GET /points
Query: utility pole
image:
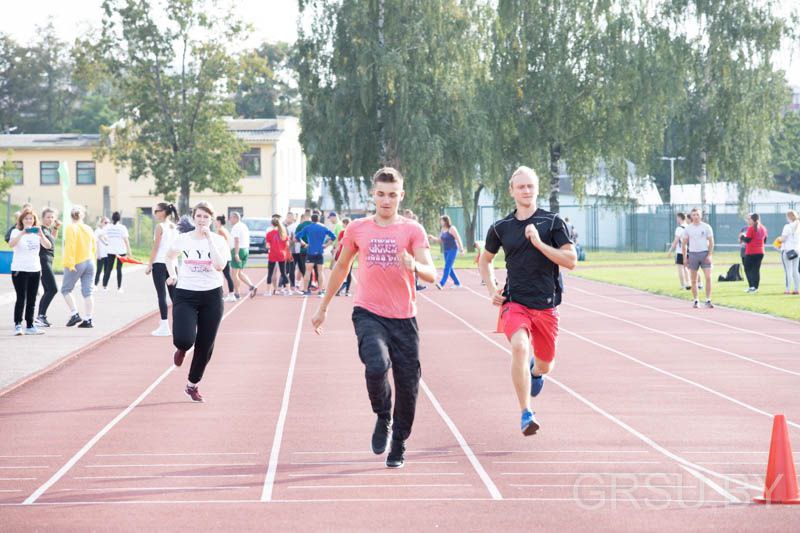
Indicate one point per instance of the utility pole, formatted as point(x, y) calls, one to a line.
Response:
point(672, 171)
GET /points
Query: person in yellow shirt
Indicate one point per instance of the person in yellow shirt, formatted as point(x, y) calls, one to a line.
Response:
point(80, 249)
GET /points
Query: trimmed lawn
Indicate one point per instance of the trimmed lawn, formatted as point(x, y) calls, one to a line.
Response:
point(656, 273)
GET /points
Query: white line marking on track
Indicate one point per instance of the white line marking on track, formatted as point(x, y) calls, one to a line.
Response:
point(566, 451)
point(17, 478)
point(369, 452)
point(641, 436)
point(381, 463)
point(718, 489)
point(684, 339)
point(171, 454)
point(100, 434)
point(621, 474)
point(166, 476)
point(731, 463)
point(25, 467)
point(272, 465)
point(125, 489)
point(171, 465)
point(592, 486)
point(25, 456)
point(387, 486)
point(10, 490)
point(578, 462)
point(476, 464)
point(372, 474)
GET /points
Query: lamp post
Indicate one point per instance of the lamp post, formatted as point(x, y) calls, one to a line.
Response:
point(672, 170)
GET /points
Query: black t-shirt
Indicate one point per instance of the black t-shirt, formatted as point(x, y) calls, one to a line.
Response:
point(44, 253)
point(532, 279)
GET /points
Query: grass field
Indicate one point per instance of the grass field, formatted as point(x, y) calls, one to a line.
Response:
point(656, 273)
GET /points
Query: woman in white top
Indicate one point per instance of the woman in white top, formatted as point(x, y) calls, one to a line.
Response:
point(26, 239)
point(790, 247)
point(118, 244)
point(197, 308)
point(163, 235)
point(102, 248)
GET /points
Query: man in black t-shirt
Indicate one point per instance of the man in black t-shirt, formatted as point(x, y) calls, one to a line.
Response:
point(536, 243)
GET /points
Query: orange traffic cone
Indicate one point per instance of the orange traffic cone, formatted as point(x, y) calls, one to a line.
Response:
point(780, 485)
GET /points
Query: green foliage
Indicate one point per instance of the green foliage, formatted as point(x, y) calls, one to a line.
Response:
point(264, 89)
point(786, 152)
point(6, 181)
point(169, 80)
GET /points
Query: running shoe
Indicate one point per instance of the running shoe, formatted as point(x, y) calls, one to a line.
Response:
point(178, 356)
point(529, 424)
point(41, 322)
point(421, 287)
point(709, 305)
point(253, 291)
point(795, 292)
point(438, 286)
point(380, 435)
point(696, 305)
point(33, 331)
point(18, 330)
point(120, 291)
point(86, 324)
point(395, 458)
point(307, 293)
point(193, 393)
point(74, 319)
point(536, 383)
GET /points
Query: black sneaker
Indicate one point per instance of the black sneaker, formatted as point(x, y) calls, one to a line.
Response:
point(74, 319)
point(380, 435)
point(41, 322)
point(86, 324)
point(395, 458)
point(193, 393)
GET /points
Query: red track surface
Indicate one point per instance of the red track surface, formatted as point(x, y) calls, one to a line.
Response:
point(652, 421)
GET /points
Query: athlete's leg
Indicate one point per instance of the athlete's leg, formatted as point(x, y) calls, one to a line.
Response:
point(404, 354)
point(520, 366)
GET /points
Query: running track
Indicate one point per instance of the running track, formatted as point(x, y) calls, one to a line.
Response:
point(653, 420)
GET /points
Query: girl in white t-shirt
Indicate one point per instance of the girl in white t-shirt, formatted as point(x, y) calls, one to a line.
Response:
point(26, 240)
point(163, 236)
point(118, 244)
point(102, 248)
point(197, 308)
point(790, 247)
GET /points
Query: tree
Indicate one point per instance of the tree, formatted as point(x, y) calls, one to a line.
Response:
point(6, 181)
point(786, 153)
point(170, 81)
point(265, 87)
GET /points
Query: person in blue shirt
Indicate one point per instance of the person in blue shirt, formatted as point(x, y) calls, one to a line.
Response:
point(316, 236)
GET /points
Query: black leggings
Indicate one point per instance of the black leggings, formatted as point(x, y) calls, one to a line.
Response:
point(101, 263)
point(289, 265)
point(300, 261)
point(271, 270)
point(160, 276)
point(227, 273)
point(48, 284)
point(110, 266)
point(26, 285)
point(195, 320)
point(752, 269)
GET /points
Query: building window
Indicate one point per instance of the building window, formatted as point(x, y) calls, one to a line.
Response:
point(86, 173)
point(15, 172)
point(250, 162)
point(48, 172)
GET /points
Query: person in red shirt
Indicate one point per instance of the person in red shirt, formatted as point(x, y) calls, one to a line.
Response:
point(754, 239)
point(391, 249)
point(346, 285)
point(278, 242)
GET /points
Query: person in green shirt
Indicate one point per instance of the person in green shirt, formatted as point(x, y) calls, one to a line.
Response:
point(336, 227)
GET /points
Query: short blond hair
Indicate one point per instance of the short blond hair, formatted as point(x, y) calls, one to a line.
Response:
point(523, 170)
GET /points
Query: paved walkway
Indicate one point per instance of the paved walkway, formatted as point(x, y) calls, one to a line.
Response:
point(23, 356)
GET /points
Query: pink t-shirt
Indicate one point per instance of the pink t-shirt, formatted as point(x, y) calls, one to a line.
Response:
point(384, 286)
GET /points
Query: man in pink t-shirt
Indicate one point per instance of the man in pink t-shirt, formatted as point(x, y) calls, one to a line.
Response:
point(391, 250)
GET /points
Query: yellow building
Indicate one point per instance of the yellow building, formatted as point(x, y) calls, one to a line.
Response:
point(275, 180)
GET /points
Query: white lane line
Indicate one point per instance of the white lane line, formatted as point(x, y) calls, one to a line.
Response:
point(25, 456)
point(731, 463)
point(126, 489)
point(166, 476)
point(711, 484)
point(10, 490)
point(387, 486)
point(272, 465)
point(476, 464)
point(171, 454)
point(684, 339)
point(381, 463)
point(22, 467)
point(17, 478)
point(593, 486)
point(683, 315)
point(566, 451)
point(620, 474)
point(366, 452)
point(639, 435)
point(380, 474)
point(676, 376)
point(732, 453)
point(100, 434)
point(577, 462)
point(171, 465)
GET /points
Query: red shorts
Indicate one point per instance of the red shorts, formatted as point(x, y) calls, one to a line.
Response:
point(542, 326)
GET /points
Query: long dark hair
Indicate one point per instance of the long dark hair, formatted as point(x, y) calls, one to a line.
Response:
point(115, 217)
point(755, 218)
point(169, 209)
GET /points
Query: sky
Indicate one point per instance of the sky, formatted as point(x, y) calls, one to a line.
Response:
point(273, 20)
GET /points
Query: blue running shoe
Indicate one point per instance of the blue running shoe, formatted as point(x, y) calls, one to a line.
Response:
point(529, 423)
point(536, 383)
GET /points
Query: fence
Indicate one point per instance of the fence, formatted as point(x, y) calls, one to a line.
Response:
point(640, 228)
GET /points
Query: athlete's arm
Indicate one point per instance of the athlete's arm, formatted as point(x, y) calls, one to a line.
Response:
point(340, 270)
point(565, 256)
point(454, 233)
point(423, 265)
point(154, 249)
point(710, 246)
point(674, 245)
point(486, 267)
point(172, 256)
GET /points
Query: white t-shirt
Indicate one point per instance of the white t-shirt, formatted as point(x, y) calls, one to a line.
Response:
point(197, 272)
point(789, 237)
point(240, 230)
point(26, 252)
point(168, 232)
point(116, 234)
point(292, 230)
point(697, 235)
point(102, 248)
point(679, 235)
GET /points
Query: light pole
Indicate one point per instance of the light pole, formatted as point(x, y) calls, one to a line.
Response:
point(672, 170)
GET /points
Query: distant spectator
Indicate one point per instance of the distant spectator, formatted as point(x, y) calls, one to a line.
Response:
point(754, 239)
point(451, 244)
point(50, 225)
point(790, 242)
point(25, 239)
point(683, 272)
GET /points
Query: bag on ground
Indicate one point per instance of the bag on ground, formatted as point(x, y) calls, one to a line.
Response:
point(733, 274)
